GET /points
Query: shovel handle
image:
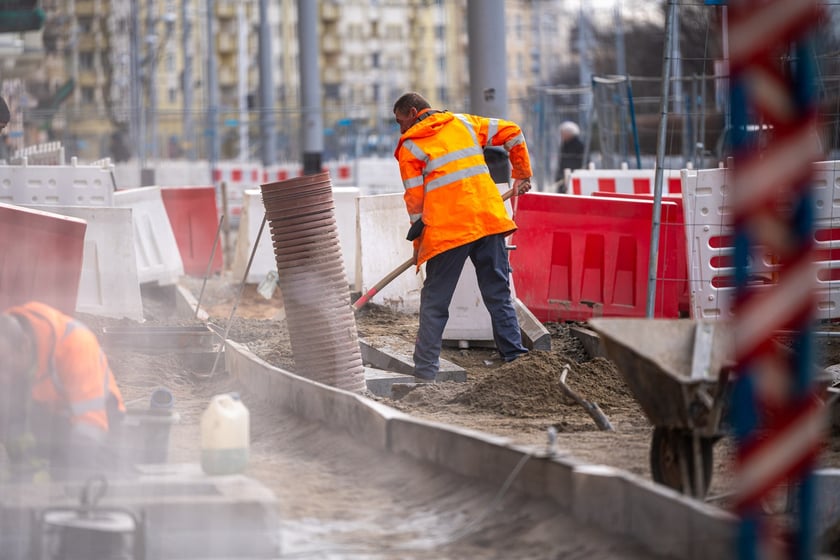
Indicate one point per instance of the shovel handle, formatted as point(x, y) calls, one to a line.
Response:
point(359, 303)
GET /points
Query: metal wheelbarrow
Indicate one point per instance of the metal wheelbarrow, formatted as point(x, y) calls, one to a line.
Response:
point(678, 372)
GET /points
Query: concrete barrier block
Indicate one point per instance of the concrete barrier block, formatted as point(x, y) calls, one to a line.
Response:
point(158, 258)
point(109, 285)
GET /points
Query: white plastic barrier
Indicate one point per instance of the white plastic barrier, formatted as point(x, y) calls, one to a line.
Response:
point(158, 258)
point(625, 181)
point(264, 260)
point(237, 177)
point(710, 249)
point(64, 185)
point(249, 226)
point(108, 286)
point(182, 173)
point(383, 224)
point(341, 172)
point(377, 176)
point(48, 153)
point(345, 218)
point(281, 172)
point(127, 174)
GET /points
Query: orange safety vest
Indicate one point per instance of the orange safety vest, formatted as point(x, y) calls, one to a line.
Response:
point(447, 181)
point(72, 377)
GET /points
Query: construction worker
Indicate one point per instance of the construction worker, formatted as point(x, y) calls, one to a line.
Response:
point(59, 402)
point(456, 213)
point(570, 155)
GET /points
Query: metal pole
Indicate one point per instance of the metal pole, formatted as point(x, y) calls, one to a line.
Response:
point(238, 295)
point(209, 265)
point(267, 140)
point(242, 80)
point(620, 51)
point(212, 87)
point(660, 161)
point(187, 81)
point(488, 69)
point(135, 86)
point(151, 80)
point(312, 126)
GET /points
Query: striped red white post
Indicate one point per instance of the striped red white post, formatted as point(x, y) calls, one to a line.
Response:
point(779, 422)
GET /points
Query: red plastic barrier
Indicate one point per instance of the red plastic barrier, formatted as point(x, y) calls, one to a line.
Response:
point(195, 220)
point(41, 257)
point(681, 249)
point(581, 257)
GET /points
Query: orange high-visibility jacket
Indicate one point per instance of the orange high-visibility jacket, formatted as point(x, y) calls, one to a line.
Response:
point(447, 181)
point(72, 376)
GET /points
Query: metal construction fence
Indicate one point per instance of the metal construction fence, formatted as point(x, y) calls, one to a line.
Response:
point(618, 115)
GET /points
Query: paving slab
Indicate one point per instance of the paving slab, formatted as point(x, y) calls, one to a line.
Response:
point(591, 341)
point(381, 383)
point(392, 353)
point(534, 334)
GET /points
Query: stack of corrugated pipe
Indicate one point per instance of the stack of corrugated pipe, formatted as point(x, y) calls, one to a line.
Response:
point(312, 279)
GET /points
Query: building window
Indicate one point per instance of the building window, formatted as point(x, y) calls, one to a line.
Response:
point(375, 59)
point(173, 95)
point(332, 91)
point(88, 94)
point(443, 94)
point(86, 60)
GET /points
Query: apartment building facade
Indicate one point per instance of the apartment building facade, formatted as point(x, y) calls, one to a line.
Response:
point(138, 69)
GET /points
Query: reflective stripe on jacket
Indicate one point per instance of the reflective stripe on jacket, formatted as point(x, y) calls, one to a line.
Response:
point(447, 182)
point(72, 376)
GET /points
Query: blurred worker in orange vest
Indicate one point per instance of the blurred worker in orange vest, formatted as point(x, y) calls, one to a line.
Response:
point(456, 213)
point(59, 402)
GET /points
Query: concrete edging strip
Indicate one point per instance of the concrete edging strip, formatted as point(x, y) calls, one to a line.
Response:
point(617, 501)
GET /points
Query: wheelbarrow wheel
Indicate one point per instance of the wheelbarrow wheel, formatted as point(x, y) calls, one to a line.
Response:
point(670, 451)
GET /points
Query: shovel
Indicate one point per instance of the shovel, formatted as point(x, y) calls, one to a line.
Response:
point(359, 303)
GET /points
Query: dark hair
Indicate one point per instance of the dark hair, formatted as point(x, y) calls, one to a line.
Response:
point(409, 100)
point(5, 115)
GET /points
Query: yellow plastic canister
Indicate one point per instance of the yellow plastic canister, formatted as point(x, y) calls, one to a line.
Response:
point(225, 435)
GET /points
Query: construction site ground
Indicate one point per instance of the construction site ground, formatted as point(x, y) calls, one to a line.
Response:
point(339, 499)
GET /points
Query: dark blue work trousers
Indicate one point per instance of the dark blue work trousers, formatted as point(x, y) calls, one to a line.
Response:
point(492, 270)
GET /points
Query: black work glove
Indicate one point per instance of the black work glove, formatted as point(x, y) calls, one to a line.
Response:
point(415, 230)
